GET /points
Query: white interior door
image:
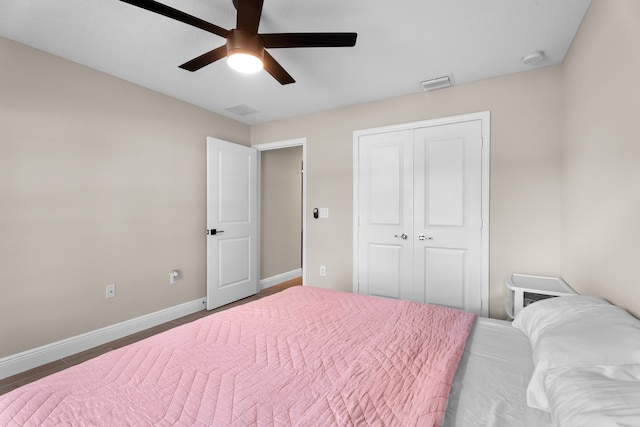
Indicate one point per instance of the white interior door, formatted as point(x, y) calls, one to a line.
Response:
point(420, 211)
point(448, 215)
point(232, 222)
point(386, 216)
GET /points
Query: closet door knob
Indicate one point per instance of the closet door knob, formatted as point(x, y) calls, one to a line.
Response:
point(423, 237)
point(402, 236)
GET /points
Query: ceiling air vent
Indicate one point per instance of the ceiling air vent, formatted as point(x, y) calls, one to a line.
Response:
point(242, 110)
point(437, 83)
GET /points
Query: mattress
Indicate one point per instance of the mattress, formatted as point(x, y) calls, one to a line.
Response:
point(305, 356)
point(489, 388)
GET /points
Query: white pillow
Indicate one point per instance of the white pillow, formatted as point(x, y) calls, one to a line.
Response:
point(597, 396)
point(534, 319)
point(576, 331)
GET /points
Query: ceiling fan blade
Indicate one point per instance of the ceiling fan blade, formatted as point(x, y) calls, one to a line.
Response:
point(284, 40)
point(178, 15)
point(203, 60)
point(249, 12)
point(272, 67)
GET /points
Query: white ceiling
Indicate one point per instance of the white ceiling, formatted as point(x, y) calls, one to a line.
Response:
point(400, 43)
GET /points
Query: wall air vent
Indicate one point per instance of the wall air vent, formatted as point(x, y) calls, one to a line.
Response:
point(437, 83)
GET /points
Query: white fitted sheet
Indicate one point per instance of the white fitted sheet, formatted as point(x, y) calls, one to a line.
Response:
point(489, 388)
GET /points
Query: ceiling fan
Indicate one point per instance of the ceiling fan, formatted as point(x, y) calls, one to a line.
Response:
point(245, 47)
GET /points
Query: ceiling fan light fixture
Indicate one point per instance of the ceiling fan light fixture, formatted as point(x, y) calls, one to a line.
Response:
point(245, 51)
point(245, 47)
point(245, 63)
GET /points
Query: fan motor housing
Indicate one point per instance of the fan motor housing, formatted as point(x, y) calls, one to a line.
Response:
point(239, 41)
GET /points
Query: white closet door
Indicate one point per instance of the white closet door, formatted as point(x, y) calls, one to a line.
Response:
point(386, 215)
point(420, 215)
point(448, 215)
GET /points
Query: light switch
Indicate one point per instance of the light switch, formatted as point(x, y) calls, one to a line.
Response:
point(324, 212)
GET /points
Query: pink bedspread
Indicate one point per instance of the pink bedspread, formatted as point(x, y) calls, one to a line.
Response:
point(305, 356)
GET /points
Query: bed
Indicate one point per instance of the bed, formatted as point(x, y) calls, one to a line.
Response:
point(571, 361)
point(317, 357)
point(490, 385)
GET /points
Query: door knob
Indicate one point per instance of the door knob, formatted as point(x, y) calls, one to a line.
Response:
point(402, 236)
point(423, 237)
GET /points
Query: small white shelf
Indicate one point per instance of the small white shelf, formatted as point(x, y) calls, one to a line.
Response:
point(525, 289)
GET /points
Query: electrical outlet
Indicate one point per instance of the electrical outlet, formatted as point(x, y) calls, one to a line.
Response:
point(174, 276)
point(323, 270)
point(110, 291)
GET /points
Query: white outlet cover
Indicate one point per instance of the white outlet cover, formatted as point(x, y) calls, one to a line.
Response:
point(110, 291)
point(173, 277)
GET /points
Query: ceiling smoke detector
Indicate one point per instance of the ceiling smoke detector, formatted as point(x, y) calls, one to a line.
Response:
point(437, 83)
point(533, 58)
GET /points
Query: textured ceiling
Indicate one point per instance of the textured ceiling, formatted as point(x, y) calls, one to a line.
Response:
point(400, 43)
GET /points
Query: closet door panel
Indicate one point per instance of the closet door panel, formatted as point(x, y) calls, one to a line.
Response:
point(386, 214)
point(448, 215)
point(444, 175)
point(385, 270)
point(444, 267)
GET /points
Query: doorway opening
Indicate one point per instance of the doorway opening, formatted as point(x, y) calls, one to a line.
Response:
point(282, 204)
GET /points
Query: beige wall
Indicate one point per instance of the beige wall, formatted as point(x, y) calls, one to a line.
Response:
point(526, 129)
point(601, 155)
point(101, 181)
point(280, 211)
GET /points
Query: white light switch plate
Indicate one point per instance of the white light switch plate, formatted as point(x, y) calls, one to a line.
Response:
point(324, 212)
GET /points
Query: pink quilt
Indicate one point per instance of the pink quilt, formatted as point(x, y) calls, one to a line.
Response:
point(305, 357)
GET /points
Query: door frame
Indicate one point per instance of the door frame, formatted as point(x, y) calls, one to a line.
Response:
point(485, 119)
point(297, 142)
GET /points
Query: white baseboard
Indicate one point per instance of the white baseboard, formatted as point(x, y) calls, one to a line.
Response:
point(279, 278)
point(29, 359)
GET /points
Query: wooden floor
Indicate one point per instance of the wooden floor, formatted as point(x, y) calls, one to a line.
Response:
point(26, 377)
